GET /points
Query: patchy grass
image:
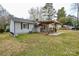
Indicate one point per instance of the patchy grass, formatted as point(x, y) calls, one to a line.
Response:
point(10, 46)
point(36, 44)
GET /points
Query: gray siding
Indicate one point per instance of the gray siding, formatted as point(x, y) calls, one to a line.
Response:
point(18, 29)
point(15, 27)
point(12, 26)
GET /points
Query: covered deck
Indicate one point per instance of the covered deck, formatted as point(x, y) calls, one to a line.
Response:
point(48, 26)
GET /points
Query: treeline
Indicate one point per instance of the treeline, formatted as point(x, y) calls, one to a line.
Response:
point(69, 20)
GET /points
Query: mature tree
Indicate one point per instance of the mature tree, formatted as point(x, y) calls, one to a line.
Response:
point(4, 18)
point(48, 12)
point(5, 22)
point(62, 20)
point(45, 13)
point(69, 20)
point(61, 13)
point(75, 7)
point(61, 16)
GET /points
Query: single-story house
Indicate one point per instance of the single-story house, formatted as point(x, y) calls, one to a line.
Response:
point(19, 26)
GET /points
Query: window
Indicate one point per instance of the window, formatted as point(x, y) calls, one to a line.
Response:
point(24, 25)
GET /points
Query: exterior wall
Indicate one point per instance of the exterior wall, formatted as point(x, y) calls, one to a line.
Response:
point(12, 26)
point(38, 29)
point(31, 26)
point(18, 29)
point(51, 26)
point(15, 28)
point(59, 26)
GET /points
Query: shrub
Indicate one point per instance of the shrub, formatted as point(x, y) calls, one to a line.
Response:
point(30, 31)
point(7, 30)
point(1, 30)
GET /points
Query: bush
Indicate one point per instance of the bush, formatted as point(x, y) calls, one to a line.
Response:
point(1, 30)
point(7, 30)
point(30, 32)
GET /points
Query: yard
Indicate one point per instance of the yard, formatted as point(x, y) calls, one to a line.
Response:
point(37, 44)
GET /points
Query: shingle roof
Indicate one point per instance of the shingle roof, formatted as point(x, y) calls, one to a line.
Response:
point(49, 21)
point(23, 20)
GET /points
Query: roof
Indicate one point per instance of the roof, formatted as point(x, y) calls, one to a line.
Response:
point(49, 21)
point(34, 21)
point(23, 20)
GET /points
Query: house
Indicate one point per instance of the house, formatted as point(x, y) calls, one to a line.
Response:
point(19, 25)
point(68, 27)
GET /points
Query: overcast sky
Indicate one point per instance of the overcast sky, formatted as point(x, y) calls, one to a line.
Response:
point(19, 8)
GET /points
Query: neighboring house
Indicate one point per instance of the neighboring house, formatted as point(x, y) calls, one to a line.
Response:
point(68, 27)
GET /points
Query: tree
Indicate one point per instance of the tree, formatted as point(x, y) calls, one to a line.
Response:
point(78, 23)
point(75, 7)
point(61, 13)
point(2, 22)
point(69, 20)
point(61, 16)
point(35, 14)
point(48, 12)
point(32, 13)
point(45, 13)
point(5, 22)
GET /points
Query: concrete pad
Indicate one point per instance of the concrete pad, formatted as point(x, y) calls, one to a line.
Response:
point(57, 33)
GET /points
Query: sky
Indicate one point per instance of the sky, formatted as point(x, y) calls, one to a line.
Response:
point(20, 8)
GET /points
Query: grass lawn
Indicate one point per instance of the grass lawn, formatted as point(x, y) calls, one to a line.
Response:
point(37, 44)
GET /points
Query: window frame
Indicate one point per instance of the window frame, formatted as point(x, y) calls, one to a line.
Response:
point(24, 25)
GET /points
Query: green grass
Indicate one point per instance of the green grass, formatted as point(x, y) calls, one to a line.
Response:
point(37, 44)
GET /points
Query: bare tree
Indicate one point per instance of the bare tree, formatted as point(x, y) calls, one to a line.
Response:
point(32, 13)
point(35, 14)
